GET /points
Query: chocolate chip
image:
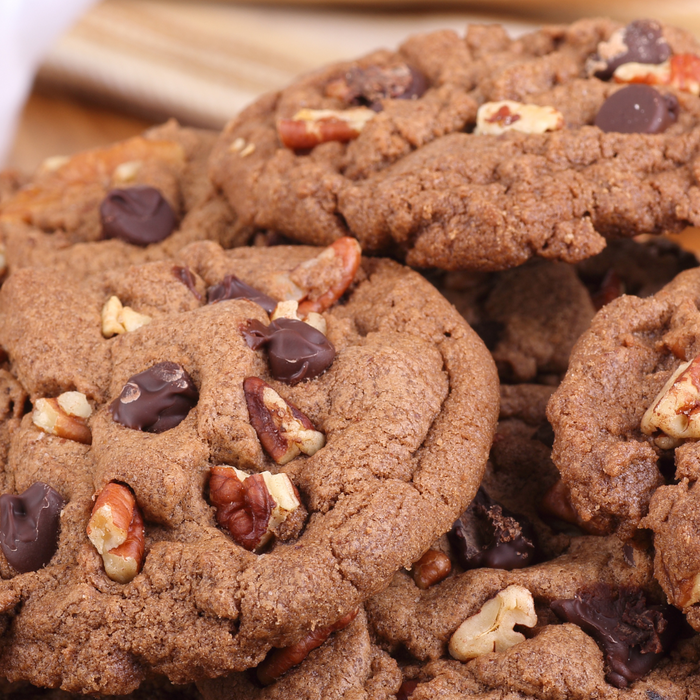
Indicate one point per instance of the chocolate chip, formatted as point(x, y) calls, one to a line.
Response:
point(233, 288)
point(652, 695)
point(645, 44)
point(186, 276)
point(368, 86)
point(156, 400)
point(295, 350)
point(406, 690)
point(637, 109)
point(138, 215)
point(634, 636)
point(29, 526)
point(628, 554)
point(487, 534)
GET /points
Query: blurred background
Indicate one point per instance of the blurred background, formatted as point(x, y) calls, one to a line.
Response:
point(104, 71)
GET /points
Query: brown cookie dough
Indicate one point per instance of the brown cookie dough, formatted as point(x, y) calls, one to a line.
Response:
point(54, 219)
point(347, 665)
point(385, 149)
point(407, 411)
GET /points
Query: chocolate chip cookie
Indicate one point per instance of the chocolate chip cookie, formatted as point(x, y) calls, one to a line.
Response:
point(478, 151)
point(247, 444)
point(135, 201)
point(583, 617)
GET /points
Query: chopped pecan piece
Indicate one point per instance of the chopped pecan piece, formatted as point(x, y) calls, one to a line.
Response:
point(64, 416)
point(251, 506)
point(310, 127)
point(681, 71)
point(118, 319)
point(499, 117)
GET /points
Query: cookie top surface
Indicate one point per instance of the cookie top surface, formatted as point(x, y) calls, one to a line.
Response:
point(406, 410)
point(624, 424)
point(565, 658)
point(475, 151)
point(132, 202)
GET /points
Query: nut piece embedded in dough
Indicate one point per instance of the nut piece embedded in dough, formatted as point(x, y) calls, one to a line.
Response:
point(116, 530)
point(118, 319)
point(283, 430)
point(290, 309)
point(431, 568)
point(310, 127)
point(499, 117)
point(64, 416)
point(676, 409)
point(251, 506)
point(681, 71)
point(491, 629)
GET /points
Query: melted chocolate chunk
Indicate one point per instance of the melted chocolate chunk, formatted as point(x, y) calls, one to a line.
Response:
point(155, 400)
point(488, 535)
point(369, 86)
point(29, 526)
point(634, 636)
point(637, 109)
point(406, 690)
point(138, 215)
point(295, 350)
point(186, 276)
point(233, 288)
point(645, 44)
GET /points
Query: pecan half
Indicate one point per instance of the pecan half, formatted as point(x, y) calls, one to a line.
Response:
point(431, 568)
point(65, 416)
point(310, 127)
point(284, 431)
point(251, 507)
point(279, 661)
point(116, 530)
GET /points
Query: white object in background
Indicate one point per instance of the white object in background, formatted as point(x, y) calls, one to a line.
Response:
point(28, 28)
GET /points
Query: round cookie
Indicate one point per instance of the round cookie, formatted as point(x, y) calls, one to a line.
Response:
point(623, 419)
point(475, 151)
point(406, 410)
point(610, 583)
point(54, 219)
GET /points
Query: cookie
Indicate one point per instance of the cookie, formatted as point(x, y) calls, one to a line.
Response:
point(232, 479)
point(455, 637)
point(477, 151)
point(624, 424)
point(132, 202)
point(348, 664)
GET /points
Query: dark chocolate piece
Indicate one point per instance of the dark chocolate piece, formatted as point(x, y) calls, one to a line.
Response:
point(186, 276)
point(295, 349)
point(233, 288)
point(634, 636)
point(406, 690)
point(29, 526)
point(645, 44)
point(138, 215)
point(637, 109)
point(369, 86)
point(487, 534)
point(156, 400)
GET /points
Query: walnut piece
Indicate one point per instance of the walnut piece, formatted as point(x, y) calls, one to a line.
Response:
point(676, 409)
point(64, 416)
point(499, 117)
point(681, 71)
point(491, 629)
point(118, 319)
point(310, 127)
point(283, 430)
point(290, 309)
point(116, 530)
point(251, 506)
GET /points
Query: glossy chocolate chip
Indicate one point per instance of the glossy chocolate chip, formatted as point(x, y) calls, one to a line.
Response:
point(29, 526)
point(186, 276)
point(138, 215)
point(156, 400)
point(645, 44)
point(233, 288)
point(295, 350)
point(487, 534)
point(637, 109)
point(634, 636)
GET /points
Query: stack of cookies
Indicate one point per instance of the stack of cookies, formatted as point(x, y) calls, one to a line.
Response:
point(248, 452)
